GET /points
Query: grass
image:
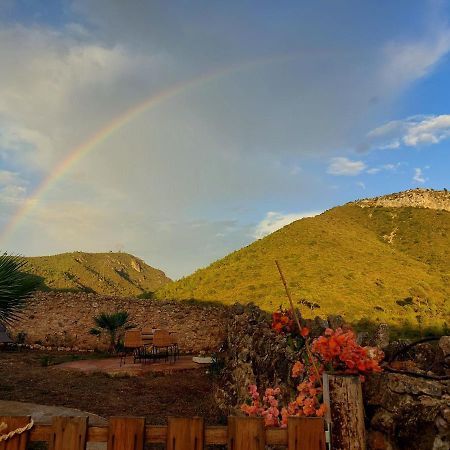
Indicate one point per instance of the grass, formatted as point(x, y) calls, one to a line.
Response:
point(343, 262)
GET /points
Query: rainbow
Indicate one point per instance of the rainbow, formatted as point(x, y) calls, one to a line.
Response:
point(77, 153)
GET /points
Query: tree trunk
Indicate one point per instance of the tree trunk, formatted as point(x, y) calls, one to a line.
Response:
point(347, 412)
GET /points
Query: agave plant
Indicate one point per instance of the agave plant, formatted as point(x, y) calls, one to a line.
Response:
point(16, 287)
point(114, 324)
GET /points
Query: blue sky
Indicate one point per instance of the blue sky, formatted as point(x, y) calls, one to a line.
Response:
point(327, 102)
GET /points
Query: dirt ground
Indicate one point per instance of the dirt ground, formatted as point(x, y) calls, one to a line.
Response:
point(30, 376)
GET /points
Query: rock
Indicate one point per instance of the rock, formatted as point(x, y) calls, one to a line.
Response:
point(409, 412)
point(336, 322)
point(378, 441)
point(383, 421)
point(363, 338)
point(444, 345)
point(380, 337)
point(424, 355)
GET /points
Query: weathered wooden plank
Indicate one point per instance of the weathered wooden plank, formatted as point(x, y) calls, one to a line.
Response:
point(18, 442)
point(185, 433)
point(216, 435)
point(126, 433)
point(306, 433)
point(157, 434)
point(326, 397)
point(276, 436)
point(68, 433)
point(347, 413)
point(40, 433)
point(246, 433)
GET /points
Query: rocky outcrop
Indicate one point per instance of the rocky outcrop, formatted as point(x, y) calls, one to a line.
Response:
point(406, 412)
point(65, 319)
point(416, 198)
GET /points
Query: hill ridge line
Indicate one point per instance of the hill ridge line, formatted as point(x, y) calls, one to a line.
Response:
point(415, 198)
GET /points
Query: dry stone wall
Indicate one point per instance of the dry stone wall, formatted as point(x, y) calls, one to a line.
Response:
point(63, 320)
point(403, 412)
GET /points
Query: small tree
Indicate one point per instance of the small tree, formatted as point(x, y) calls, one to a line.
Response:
point(16, 286)
point(114, 324)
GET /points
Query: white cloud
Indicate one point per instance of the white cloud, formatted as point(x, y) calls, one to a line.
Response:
point(408, 61)
point(276, 220)
point(419, 176)
point(55, 89)
point(344, 166)
point(12, 195)
point(430, 130)
point(384, 167)
point(413, 131)
point(8, 177)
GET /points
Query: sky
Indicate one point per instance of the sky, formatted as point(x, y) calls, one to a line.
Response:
point(181, 131)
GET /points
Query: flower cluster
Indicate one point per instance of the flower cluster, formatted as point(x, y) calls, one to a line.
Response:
point(309, 391)
point(335, 351)
point(283, 322)
point(268, 408)
point(339, 350)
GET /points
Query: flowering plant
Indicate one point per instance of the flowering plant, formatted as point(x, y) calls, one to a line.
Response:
point(336, 350)
point(283, 323)
point(339, 351)
point(268, 407)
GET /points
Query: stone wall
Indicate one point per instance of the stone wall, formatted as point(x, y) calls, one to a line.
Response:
point(253, 355)
point(406, 412)
point(65, 319)
point(403, 412)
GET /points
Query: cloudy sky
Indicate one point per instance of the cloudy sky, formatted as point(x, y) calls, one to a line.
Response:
point(258, 113)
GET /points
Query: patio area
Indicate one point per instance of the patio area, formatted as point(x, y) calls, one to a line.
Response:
point(112, 366)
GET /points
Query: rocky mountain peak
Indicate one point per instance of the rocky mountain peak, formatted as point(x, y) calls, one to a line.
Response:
point(416, 198)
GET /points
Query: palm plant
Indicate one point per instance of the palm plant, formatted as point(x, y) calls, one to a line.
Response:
point(114, 324)
point(16, 287)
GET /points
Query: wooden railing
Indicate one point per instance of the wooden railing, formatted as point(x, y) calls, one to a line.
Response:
point(131, 433)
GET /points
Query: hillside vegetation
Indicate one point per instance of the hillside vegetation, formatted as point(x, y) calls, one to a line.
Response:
point(362, 260)
point(118, 274)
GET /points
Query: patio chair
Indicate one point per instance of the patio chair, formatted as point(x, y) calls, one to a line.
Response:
point(174, 337)
point(147, 335)
point(132, 345)
point(163, 345)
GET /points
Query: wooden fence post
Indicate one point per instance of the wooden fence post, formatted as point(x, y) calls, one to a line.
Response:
point(347, 413)
point(126, 433)
point(18, 442)
point(306, 433)
point(185, 433)
point(246, 433)
point(68, 433)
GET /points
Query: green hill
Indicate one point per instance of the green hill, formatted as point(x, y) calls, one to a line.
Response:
point(361, 260)
point(118, 274)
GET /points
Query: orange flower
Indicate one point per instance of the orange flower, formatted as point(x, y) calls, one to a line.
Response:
point(304, 331)
point(297, 369)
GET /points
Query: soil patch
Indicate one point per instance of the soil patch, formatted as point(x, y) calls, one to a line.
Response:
point(24, 377)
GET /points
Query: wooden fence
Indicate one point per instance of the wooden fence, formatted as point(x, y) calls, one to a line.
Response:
point(131, 433)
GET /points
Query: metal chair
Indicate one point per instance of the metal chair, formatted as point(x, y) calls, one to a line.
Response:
point(174, 338)
point(163, 345)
